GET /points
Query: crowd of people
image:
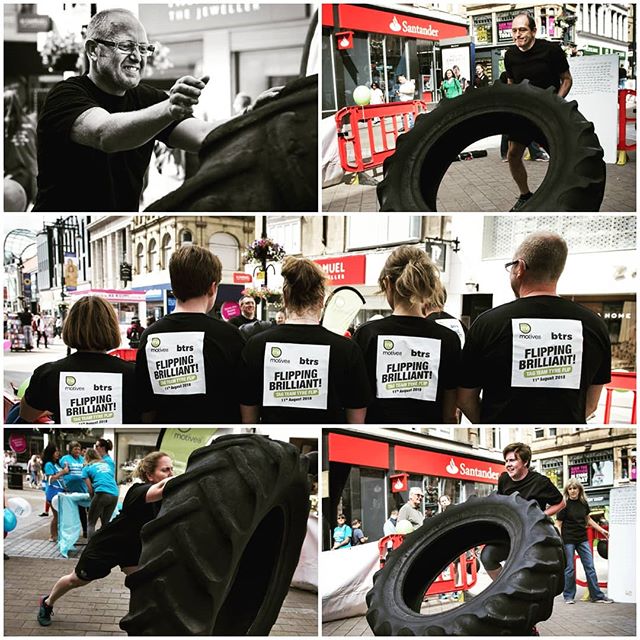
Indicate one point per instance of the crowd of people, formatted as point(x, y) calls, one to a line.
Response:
point(540, 358)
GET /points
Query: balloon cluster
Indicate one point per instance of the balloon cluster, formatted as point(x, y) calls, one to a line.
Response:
point(16, 508)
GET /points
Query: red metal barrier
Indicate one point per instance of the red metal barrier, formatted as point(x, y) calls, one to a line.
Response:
point(623, 119)
point(621, 381)
point(368, 148)
point(124, 354)
point(446, 582)
point(592, 536)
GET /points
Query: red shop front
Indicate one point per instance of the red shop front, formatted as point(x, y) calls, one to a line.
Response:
point(369, 474)
point(362, 44)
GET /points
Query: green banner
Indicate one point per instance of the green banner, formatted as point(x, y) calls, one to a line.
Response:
point(178, 444)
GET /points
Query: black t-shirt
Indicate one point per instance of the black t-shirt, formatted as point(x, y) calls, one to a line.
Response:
point(238, 321)
point(96, 389)
point(522, 363)
point(445, 319)
point(574, 521)
point(534, 486)
point(408, 378)
point(75, 177)
point(308, 375)
point(541, 65)
point(118, 542)
point(184, 369)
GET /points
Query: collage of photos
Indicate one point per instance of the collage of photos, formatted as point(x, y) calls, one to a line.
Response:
point(325, 316)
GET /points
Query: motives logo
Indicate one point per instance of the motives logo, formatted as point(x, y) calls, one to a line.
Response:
point(525, 328)
point(387, 348)
point(276, 356)
point(525, 332)
point(155, 346)
point(155, 342)
point(69, 381)
point(276, 352)
point(388, 344)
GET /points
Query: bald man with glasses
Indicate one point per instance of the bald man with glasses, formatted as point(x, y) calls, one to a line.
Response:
point(540, 358)
point(96, 132)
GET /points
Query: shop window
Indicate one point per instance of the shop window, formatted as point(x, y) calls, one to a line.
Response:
point(355, 65)
point(426, 81)
point(226, 247)
point(186, 237)
point(328, 81)
point(539, 433)
point(396, 56)
point(152, 253)
point(372, 502)
point(287, 231)
point(166, 250)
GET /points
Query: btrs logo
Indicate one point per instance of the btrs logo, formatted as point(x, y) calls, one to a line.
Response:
point(451, 467)
point(276, 352)
point(394, 25)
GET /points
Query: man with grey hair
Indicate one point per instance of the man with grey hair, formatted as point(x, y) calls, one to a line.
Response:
point(411, 510)
point(540, 358)
point(96, 132)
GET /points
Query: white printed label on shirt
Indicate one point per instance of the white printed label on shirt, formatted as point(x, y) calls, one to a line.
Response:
point(546, 353)
point(176, 363)
point(455, 326)
point(90, 398)
point(407, 367)
point(296, 375)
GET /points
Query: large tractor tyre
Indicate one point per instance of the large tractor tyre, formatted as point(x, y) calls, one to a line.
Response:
point(265, 160)
point(219, 557)
point(575, 177)
point(523, 593)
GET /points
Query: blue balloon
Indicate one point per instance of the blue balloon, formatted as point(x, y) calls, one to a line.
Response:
point(10, 520)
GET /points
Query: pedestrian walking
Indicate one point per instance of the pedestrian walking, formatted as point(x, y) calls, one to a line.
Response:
point(300, 372)
point(26, 318)
point(42, 331)
point(412, 364)
point(90, 386)
point(54, 474)
point(342, 534)
point(118, 542)
point(572, 522)
point(102, 488)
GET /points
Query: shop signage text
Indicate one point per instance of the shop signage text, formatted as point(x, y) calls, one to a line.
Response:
point(344, 270)
point(241, 278)
point(372, 20)
point(447, 465)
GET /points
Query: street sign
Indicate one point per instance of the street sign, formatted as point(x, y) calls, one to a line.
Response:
point(33, 23)
point(125, 272)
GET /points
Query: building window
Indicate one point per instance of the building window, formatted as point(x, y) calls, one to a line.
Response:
point(382, 230)
point(152, 254)
point(226, 247)
point(186, 237)
point(287, 231)
point(539, 433)
point(165, 255)
point(140, 258)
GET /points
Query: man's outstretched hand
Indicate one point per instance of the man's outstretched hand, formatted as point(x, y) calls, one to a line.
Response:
point(184, 95)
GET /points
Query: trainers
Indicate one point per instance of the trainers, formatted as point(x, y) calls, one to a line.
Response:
point(542, 159)
point(43, 515)
point(571, 601)
point(44, 613)
point(604, 600)
point(521, 201)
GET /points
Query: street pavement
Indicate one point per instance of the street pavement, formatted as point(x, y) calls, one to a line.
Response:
point(35, 564)
point(483, 185)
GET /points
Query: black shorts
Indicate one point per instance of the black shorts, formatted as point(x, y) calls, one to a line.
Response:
point(525, 135)
point(89, 568)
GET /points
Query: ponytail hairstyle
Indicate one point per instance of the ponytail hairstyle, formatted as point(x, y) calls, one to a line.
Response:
point(304, 284)
point(148, 465)
point(107, 445)
point(574, 482)
point(412, 276)
point(91, 456)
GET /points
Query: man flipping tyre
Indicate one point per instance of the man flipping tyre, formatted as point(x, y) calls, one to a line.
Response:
point(543, 64)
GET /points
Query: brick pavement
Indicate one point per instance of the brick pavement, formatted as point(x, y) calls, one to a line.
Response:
point(581, 619)
point(485, 184)
point(35, 564)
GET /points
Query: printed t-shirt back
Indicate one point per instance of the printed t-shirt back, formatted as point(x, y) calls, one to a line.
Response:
point(90, 398)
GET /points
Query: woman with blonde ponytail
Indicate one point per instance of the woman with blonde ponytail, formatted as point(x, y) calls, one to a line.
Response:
point(412, 363)
point(300, 372)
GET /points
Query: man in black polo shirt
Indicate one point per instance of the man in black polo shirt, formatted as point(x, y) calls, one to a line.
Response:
point(543, 64)
point(531, 485)
point(96, 132)
point(540, 358)
point(186, 361)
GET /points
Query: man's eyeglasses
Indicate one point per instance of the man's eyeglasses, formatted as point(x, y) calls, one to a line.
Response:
point(508, 265)
point(128, 46)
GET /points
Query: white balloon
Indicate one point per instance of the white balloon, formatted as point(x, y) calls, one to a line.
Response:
point(20, 507)
point(54, 502)
point(404, 526)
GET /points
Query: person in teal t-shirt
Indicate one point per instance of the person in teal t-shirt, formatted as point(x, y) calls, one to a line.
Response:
point(75, 484)
point(342, 534)
point(103, 446)
point(102, 489)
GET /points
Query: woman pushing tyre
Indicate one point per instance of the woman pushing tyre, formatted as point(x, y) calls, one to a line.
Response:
point(219, 558)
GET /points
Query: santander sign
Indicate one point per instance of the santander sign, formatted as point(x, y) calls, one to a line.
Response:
point(413, 29)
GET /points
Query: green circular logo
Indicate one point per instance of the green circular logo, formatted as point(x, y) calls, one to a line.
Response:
point(155, 342)
point(388, 345)
point(70, 381)
point(276, 352)
point(525, 328)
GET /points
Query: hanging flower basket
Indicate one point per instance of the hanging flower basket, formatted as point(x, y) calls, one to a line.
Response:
point(61, 53)
point(264, 250)
point(263, 294)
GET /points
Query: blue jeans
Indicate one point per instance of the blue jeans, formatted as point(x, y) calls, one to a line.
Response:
point(584, 552)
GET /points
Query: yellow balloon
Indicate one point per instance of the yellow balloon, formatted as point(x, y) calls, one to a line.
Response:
point(362, 95)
